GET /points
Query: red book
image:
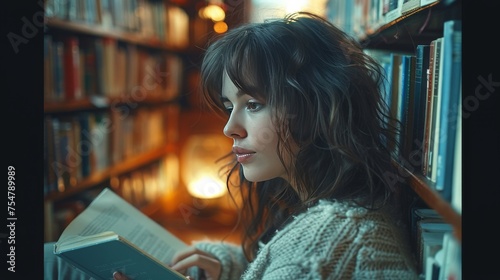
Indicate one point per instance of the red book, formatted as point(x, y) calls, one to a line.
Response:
point(72, 88)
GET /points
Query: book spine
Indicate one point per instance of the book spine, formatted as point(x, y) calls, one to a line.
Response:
point(59, 75)
point(50, 172)
point(395, 80)
point(109, 64)
point(451, 89)
point(409, 70)
point(429, 72)
point(420, 100)
point(85, 144)
point(436, 124)
point(72, 68)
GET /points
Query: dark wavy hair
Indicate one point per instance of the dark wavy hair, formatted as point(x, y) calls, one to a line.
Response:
point(326, 97)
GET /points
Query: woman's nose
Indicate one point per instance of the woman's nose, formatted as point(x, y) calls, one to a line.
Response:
point(234, 128)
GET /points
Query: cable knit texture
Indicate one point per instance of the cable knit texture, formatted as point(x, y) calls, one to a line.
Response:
point(331, 240)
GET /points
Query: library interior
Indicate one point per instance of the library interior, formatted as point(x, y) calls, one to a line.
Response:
point(123, 111)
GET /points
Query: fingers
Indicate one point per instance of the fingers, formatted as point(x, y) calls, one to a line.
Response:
point(188, 252)
point(194, 257)
point(119, 276)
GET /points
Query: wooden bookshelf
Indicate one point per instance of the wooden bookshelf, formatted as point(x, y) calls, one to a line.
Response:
point(416, 27)
point(391, 31)
point(97, 102)
point(423, 187)
point(125, 166)
point(109, 32)
point(85, 82)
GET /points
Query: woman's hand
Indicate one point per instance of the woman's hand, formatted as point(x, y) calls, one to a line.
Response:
point(120, 276)
point(210, 267)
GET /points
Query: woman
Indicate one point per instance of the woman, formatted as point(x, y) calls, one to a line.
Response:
point(312, 152)
point(310, 137)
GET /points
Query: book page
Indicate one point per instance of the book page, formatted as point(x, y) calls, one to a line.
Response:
point(109, 212)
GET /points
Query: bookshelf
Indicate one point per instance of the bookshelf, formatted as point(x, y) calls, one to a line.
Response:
point(113, 83)
point(392, 31)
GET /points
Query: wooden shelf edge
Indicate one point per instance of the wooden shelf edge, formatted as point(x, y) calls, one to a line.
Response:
point(421, 186)
point(88, 103)
point(123, 167)
point(110, 32)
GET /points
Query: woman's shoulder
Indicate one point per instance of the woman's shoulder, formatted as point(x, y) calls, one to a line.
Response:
point(335, 208)
point(332, 230)
point(332, 219)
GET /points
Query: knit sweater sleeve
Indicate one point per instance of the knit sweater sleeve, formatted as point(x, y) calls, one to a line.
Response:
point(231, 256)
point(333, 241)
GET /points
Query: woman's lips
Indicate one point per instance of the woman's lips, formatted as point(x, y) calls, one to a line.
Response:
point(242, 155)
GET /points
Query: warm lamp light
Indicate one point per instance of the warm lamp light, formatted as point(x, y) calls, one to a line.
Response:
point(212, 12)
point(220, 27)
point(207, 187)
point(200, 170)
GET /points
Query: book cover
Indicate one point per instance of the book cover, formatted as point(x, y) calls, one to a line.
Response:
point(409, 6)
point(428, 109)
point(89, 80)
point(408, 104)
point(64, 170)
point(451, 266)
point(395, 79)
point(111, 234)
point(86, 146)
point(450, 98)
point(72, 77)
point(102, 254)
point(100, 76)
point(417, 214)
point(58, 68)
point(436, 111)
point(391, 10)
point(429, 239)
point(432, 242)
point(456, 187)
point(109, 46)
point(433, 114)
point(50, 184)
point(420, 99)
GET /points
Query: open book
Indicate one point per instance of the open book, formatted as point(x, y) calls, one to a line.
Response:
point(112, 235)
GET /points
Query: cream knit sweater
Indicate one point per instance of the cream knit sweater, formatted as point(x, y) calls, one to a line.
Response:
point(331, 240)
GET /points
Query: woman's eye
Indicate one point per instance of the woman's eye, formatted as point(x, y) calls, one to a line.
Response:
point(254, 106)
point(228, 107)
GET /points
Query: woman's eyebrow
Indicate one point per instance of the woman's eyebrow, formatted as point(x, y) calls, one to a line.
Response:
point(239, 94)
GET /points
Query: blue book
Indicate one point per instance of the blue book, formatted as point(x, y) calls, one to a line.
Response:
point(407, 103)
point(420, 96)
point(451, 71)
point(102, 254)
point(112, 235)
point(395, 79)
point(85, 145)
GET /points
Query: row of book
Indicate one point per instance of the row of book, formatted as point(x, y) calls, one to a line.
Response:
point(146, 18)
point(140, 188)
point(423, 91)
point(78, 67)
point(85, 143)
point(437, 251)
point(360, 18)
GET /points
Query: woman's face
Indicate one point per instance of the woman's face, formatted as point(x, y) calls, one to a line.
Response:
point(254, 135)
